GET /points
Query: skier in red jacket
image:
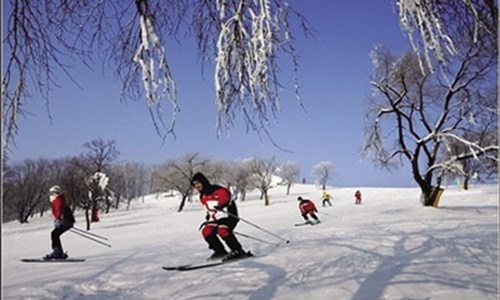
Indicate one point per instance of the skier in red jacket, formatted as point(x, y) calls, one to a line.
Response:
point(215, 199)
point(307, 207)
point(63, 221)
point(357, 195)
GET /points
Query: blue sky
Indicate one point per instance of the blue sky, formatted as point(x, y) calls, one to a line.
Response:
point(334, 72)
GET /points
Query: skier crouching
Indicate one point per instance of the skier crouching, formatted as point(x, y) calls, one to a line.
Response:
point(307, 207)
point(216, 198)
point(63, 221)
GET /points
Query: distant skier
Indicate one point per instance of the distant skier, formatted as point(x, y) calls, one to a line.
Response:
point(63, 221)
point(307, 207)
point(357, 197)
point(326, 199)
point(216, 198)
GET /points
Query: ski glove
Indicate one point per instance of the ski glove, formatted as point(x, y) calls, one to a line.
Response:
point(57, 223)
point(202, 225)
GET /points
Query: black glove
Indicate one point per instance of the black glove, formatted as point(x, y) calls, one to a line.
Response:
point(205, 223)
point(207, 217)
point(202, 225)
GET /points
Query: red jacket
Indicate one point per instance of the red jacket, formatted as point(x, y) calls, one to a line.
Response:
point(358, 195)
point(61, 212)
point(57, 205)
point(220, 197)
point(307, 207)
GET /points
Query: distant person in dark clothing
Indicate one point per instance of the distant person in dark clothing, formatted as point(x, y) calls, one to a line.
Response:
point(357, 197)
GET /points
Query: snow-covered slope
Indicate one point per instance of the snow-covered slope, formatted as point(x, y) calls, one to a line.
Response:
point(390, 247)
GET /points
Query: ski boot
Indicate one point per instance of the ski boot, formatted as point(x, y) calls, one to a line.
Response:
point(237, 255)
point(218, 255)
point(56, 254)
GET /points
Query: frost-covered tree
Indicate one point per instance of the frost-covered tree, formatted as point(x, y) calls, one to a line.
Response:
point(431, 26)
point(242, 177)
point(323, 173)
point(289, 172)
point(218, 172)
point(263, 170)
point(466, 170)
point(128, 180)
point(177, 174)
point(243, 39)
point(420, 118)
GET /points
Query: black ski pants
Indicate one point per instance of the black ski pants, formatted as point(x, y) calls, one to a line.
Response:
point(55, 237)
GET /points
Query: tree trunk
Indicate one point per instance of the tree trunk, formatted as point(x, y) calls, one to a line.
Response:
point(183, 201)
point(466, 183)
point(324, 186)
point(87, 218)
point(108, 204)
point(243, 195)
point(266, 199)
point(117, 201)
point(20, 218)
point(288, 189)
point(431, 196)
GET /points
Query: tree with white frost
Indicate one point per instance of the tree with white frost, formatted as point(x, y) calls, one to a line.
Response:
point(431, 25)
point(323, 173)
point(289, 172)
point(177, 174)
point(241, 177)
point(422, 117)
point(244, 38)
point(263, 170)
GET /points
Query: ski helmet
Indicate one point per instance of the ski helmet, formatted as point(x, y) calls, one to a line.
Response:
point(55, 190)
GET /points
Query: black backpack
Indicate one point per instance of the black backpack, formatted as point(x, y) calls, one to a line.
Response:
point(68, 216)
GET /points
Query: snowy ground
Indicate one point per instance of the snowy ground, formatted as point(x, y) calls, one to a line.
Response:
point(390, 247)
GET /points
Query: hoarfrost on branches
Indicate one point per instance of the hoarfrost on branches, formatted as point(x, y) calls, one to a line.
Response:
point(246, 69)
point(430, 25)
point(443, 129)
point(242, 38)
point(157, 84)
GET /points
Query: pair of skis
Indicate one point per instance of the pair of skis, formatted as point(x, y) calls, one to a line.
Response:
point(204, 265)
point(83, 233)
point(52, 260)
point(308, 223)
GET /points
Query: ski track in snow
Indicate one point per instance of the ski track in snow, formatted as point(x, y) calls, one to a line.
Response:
point(390, 247)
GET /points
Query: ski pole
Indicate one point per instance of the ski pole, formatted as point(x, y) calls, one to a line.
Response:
point(322, 213)
point(90, 238)
point(256, 226)
point(253, 238)
point(90, 233)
